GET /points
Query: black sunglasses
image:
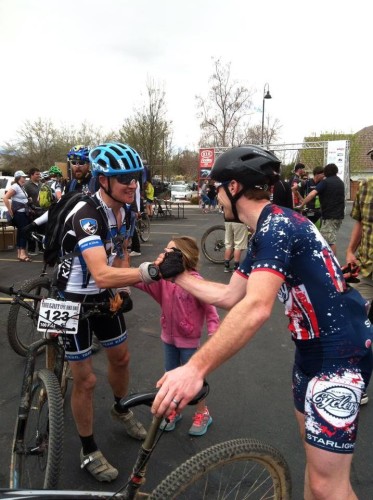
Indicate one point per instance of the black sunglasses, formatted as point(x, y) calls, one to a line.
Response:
point(78, 162)
point(128, 178)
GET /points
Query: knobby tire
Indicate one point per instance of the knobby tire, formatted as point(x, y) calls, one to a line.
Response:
point(38, 440)
point(238, 469)
point(22, 323)
point(144, 228)
point(213, 244)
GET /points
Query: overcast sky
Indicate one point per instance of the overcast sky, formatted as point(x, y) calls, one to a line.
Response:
point(77, 60)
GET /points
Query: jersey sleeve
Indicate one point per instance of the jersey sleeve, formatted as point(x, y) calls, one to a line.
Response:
point(86, 227)
point(270, 248)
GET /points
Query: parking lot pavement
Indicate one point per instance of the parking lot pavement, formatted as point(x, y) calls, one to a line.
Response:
point(250, 395)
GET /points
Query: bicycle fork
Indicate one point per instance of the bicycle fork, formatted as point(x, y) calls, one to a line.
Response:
point(137, 478)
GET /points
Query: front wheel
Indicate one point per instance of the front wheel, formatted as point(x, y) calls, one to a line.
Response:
point(37, 446)
point(213, 244)
point(22, 323)
point(238, 469)
point(143, 225)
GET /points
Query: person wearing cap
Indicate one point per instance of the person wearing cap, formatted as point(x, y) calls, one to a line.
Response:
point(17, 201)
point(289, 260)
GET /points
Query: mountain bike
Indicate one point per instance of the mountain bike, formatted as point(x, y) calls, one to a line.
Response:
point(143, 226)
point(22, 322)
point(237, 469)
point(213, 243)
point(38, 436)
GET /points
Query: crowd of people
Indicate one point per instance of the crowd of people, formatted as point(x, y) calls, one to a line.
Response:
point(328, 319)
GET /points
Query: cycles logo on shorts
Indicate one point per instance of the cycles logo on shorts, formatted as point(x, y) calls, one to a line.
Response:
point(337, 404)
point(89, 226)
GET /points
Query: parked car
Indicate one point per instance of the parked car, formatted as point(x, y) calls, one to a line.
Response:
point(181, 192)
point(5, 183)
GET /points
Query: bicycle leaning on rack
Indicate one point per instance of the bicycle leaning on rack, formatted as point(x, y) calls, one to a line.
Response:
point(241, 468)
point(213, 243)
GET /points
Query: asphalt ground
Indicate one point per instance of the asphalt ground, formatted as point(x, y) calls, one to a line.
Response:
point(250, 395)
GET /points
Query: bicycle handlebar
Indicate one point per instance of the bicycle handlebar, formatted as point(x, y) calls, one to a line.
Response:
point(20, 294)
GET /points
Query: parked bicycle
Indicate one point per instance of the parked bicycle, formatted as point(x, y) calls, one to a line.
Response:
point(143, 226)
point(213, 243)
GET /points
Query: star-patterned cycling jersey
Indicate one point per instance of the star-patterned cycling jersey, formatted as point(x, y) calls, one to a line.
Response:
point(317, 301)
point(328, 322)
point(86, 228)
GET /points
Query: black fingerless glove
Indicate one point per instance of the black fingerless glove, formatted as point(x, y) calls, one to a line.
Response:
point(172, 265)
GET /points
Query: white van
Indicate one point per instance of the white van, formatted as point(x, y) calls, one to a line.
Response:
point(5, 184)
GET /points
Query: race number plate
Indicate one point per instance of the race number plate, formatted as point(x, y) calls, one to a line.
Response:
point(58, 316)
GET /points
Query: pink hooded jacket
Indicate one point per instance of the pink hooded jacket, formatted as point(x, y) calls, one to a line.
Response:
point(183, 316)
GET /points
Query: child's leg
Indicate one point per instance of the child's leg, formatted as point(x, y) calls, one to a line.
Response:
point(172, 357)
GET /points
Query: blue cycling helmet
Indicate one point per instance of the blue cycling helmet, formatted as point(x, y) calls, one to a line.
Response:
point(114, 158)
point(79, 152)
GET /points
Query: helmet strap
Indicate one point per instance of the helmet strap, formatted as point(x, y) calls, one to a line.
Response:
point(108, 191)
point(233, 200)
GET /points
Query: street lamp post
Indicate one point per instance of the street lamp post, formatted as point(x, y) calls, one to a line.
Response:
point(266, 95)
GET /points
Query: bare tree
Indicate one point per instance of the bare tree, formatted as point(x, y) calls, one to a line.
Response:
point(148, 131)
point(271, 132)
point(226, 110)
point(40, 144)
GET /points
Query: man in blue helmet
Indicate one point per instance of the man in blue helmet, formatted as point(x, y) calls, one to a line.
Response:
point(82, 179)
point(94, 261)
point(289, 259)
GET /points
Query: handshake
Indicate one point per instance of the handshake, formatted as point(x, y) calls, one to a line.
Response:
point(171, 266)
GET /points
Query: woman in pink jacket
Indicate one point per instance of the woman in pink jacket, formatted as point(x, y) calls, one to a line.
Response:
point(182, 320)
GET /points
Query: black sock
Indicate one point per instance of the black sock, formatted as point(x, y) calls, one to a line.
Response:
point(117, 405)
point(236, 265)
point(226, 263)
point(88, 443)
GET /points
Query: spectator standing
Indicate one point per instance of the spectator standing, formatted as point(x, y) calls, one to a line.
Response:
point(149, 197)
point(314, 205)
point(82, 180)
point(182, 320)
point(282, 194)
point(17, 201)
point(32, 188)
point(136, 207)
point(360, 248)
point(331, 191)
point(55, 182)
point(211, 193)
point(299, 171)
point(205, 200)
point(236, 236)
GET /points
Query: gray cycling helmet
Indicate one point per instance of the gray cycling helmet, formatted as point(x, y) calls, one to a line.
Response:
point(250, 165)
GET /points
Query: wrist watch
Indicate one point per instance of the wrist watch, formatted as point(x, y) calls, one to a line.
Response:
point(153, 272)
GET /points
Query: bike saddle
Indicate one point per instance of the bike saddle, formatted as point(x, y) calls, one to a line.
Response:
point(147, 398)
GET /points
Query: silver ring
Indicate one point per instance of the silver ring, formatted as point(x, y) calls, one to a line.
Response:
point(176, 402)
